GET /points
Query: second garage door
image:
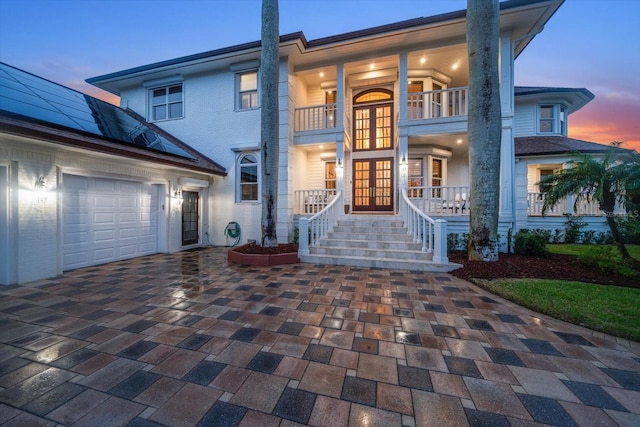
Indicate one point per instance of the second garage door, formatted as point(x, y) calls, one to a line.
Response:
point(107, 220)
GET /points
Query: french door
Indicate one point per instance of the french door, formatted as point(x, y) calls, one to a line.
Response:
point(373, 185)
point(189, 217)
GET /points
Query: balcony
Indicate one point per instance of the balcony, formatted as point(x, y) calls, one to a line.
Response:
point(437, 104)
point(316, 117)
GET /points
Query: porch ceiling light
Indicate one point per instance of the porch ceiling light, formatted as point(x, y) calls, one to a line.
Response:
point(455, 66)
point(459, 141)
point(423, 60)
point(321, 74)
point(371, 66)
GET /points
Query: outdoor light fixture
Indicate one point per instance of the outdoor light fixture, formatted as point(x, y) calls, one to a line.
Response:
point(177, 192)
point(40, 188)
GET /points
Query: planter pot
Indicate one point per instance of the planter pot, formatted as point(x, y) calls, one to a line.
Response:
point(261, 259)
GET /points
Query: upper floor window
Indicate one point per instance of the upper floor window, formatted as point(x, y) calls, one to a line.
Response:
point(247, 84)
point(247, 178)
point(552, 119)
point(167, 102)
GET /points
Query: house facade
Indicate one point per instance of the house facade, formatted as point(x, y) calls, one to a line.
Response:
point(363, 113)
point(373, 123)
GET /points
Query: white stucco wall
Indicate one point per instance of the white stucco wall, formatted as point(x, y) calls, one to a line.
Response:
point(34, 238)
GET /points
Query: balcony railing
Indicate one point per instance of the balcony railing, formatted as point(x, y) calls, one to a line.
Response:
point(441, 201)
point(316, 117)
point(309, 202)
point(566, 206)
point(437, 104)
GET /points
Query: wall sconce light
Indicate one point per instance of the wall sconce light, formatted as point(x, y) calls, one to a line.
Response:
point(177, 192)
point(338, 163)
point(40, 186)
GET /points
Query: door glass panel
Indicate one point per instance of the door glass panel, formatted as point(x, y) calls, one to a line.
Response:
point(189, 217)
point(383, 183)
point(362, 129)
point(361, 184)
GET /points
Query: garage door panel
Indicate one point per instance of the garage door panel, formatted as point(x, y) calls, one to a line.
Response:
point(107, 220)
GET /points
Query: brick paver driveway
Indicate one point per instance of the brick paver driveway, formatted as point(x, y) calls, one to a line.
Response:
point(185, 339)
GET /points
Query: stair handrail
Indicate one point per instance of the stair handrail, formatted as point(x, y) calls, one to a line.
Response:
point(312, 229)
point(432, 233)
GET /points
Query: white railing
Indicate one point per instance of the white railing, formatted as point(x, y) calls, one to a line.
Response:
point(443, 201)
point(311, 230)
point(312, 201)
point(566, 206)
point(437, 104)
point(316, 117)
point(431, 233)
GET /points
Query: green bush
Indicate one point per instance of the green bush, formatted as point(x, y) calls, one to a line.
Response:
point(573, 228)
point(608, 259)
point(457, 242)
point(532, 242)
point(629, 227)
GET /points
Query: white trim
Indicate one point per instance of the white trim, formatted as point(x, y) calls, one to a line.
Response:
point(183, 180)
point(238, 175)
point(165, 81)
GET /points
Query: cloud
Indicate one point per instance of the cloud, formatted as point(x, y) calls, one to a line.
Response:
point(608, 119)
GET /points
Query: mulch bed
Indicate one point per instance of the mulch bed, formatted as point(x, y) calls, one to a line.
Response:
point(259, 250)
point(554, 266)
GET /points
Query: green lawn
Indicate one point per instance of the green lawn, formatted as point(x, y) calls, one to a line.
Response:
point(577, 249)
point(610, 309)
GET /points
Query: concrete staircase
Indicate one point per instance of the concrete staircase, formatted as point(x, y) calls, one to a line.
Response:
point(373, 241)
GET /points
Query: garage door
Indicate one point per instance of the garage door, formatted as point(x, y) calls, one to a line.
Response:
point(107, 220)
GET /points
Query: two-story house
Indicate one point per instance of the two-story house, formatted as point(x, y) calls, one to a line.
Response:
point(373, 133)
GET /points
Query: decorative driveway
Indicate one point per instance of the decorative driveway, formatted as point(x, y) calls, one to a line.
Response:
point(185, 339)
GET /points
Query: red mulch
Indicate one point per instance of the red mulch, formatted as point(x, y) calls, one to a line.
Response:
point(554, 266)
point(259, 250)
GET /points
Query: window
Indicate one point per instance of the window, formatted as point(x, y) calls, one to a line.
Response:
point(545, 173)
point(166, 102)
point(546, 119)
point(248, 178)
point(415, 177)
point(330, 175)
point(247, 90)
point(552, 119)
point(414, 104)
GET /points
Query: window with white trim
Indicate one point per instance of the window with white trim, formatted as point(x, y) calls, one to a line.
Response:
point(247, 178)
point(247, 90)
point(330, 175)
point(166, 103)
point(552, 119)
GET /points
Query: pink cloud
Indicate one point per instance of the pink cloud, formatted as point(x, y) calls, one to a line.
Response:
point(608, 119)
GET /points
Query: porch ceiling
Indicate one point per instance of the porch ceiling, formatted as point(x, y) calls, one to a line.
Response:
point(446, 141)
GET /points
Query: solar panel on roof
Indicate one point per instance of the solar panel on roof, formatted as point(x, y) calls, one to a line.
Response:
point(38, 99)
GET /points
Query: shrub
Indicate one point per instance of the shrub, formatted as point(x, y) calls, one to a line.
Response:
point(532, 242)
point(573, 228)
point(608, 259)
point(604, 238)
point(457, 242)
point(629, 227)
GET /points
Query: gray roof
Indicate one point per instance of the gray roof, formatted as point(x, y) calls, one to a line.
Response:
point(549, 145)
point(345, 37)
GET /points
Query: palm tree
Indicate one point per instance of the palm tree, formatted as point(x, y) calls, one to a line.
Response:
point(269, 136)
point(484, 128)
point(607, 181)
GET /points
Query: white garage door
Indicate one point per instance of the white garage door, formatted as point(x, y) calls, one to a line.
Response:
point(106, 220)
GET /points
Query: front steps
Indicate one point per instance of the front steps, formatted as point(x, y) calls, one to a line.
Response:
point(379, 241)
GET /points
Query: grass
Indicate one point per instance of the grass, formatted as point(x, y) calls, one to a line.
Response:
point(609, 309)
point(577, 249)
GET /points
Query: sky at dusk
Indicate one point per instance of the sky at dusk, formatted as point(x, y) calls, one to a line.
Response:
point(587, 43)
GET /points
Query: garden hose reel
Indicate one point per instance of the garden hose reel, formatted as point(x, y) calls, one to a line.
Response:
point(232, 231)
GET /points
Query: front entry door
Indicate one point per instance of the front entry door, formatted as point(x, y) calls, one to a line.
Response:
point(373, 185)
point(189, 217)
point(372, 156)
